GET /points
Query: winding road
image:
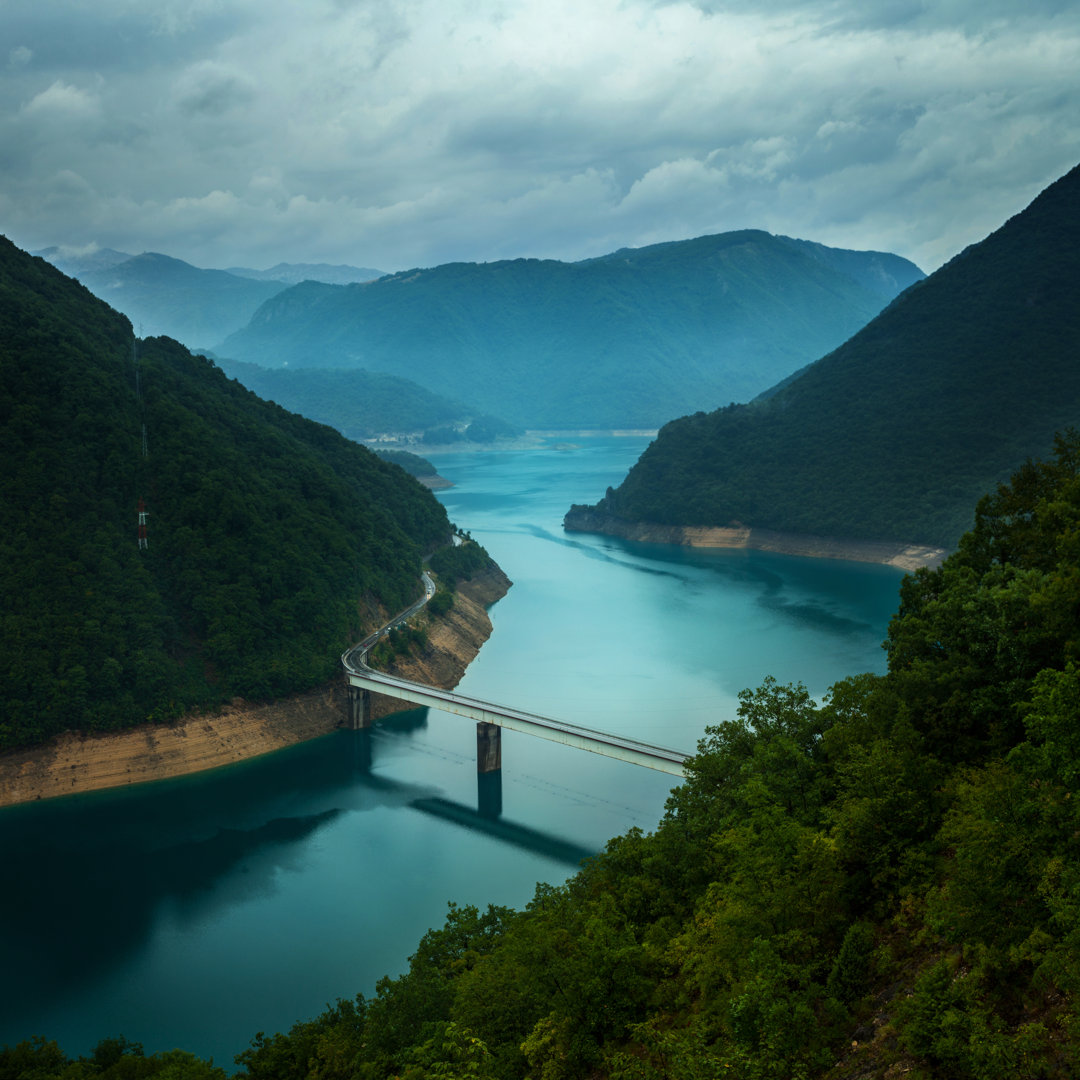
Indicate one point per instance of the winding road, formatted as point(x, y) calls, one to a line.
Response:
point(360, 675)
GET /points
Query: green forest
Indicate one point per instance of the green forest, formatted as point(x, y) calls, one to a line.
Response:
point(896, 434)
point(885, 880)
point(363, 404)
point(271, 541)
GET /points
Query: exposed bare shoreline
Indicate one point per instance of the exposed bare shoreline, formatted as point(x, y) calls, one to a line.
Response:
point(75, 762)
point(903, 556)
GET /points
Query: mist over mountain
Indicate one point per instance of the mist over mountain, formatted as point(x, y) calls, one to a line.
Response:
point(164, 295)
point(629, 339)
point(76, 262)
point(898, 432)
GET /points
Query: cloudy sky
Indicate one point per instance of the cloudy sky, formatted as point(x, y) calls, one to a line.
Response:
point(402, 133)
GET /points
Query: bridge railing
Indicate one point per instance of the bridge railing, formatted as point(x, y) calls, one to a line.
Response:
point(605, 743)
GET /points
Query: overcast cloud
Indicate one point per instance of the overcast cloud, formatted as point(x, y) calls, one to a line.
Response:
point(401, 133)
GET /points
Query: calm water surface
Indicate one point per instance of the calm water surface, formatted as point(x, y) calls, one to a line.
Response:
point(197, 912)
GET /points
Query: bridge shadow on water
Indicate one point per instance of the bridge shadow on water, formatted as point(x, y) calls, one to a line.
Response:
point(486, 817)
point(89, 878)
point(508, 832)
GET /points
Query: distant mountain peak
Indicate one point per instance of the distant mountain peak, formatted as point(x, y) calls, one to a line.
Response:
point(626, 340)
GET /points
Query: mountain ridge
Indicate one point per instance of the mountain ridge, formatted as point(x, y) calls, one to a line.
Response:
point(272, 541)
point(625, 340)
point(195, 305)
point(895, 434)
point(294, 273)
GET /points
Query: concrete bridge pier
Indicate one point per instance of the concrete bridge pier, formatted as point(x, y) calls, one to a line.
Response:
point(488, 747)
point(359, 708)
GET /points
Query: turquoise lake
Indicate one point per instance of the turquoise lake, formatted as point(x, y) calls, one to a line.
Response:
point(197, 912)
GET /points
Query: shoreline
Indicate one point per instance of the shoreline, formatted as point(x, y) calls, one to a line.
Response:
point(903, 556)
point(75, 763)
point(531, 439)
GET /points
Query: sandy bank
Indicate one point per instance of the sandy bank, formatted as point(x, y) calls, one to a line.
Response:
point(904, 556)
point(77, 763)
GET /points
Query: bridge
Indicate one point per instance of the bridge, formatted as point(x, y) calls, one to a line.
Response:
point(490, 717)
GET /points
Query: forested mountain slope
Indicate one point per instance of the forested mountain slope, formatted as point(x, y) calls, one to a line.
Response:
point(895, 434)
point(883, 884)
point(360, 404)
point(266, 532)
point(630, 339)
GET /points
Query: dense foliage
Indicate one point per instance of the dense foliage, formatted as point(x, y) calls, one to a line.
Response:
point(361, 404)
point(266, 532)
point(413, 464)
point(896, 434)
point(890, 877)
point(112, 1059)
point(631, 339)
point(460, 562)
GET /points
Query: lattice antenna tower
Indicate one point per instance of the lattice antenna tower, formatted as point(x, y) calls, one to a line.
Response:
point(142, 512)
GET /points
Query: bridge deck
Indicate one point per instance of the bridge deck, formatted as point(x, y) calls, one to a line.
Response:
point(504, 716)
point(597, 742)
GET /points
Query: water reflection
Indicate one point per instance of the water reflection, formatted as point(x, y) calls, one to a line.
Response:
point(489, 801)
point(86, 891)
point(595, 551)
point(508, 832)
point(84, 909)
point(784, 585)
point(196, 912)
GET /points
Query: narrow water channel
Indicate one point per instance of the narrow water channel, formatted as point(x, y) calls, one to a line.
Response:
point(197, 912)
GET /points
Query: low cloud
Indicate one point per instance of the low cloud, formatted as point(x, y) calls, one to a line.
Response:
point(62, 99)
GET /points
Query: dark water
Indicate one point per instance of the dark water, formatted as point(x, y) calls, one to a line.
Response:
point(197, 912)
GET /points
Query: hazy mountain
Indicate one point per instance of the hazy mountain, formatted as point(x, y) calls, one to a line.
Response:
point(266, 532)
point(162, 295)
point(294, 273)
point(75, 262)
point(360, 404)
point(630, 339)
point(898, 432)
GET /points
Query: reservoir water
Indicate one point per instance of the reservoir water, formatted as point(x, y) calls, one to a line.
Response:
point(197, 912)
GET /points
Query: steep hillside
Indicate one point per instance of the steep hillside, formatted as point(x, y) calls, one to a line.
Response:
point(162, 295)
point(631, 339)
point(360, 404)
point(895, 434)
point(883, 884)
point(268, 535)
